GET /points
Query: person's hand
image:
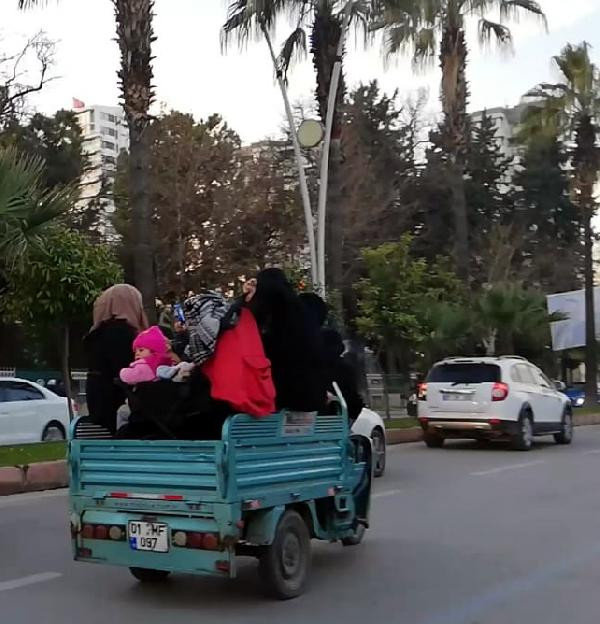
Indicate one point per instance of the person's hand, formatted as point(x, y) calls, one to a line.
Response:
point(249, 290)
point(178, 327)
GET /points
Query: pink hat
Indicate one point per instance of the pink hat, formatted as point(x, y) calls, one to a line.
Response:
point(152, 339)
point(156, 341)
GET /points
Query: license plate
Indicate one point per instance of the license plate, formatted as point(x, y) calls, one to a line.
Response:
point(457, 397)
point(152, 536)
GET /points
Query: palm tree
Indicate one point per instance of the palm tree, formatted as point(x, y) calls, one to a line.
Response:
point(135, 37)
point(571, 109)
point(26, 207)
point(327, 21)
point(438, 27)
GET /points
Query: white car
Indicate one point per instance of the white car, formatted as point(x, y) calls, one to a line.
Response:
point(31, 413)
point(492, 398)
point(370, 425)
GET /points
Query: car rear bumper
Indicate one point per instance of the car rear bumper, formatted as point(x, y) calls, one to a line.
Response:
point(472, 428)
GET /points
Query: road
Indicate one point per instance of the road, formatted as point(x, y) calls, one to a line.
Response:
point(459, 535)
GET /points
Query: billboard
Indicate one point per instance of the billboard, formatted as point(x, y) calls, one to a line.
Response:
point(570, 334)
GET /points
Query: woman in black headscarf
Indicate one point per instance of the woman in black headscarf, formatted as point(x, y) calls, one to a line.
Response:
point(335, 369)
point(292, 341)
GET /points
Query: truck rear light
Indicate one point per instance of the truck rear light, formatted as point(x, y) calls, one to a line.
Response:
point(495, 422)
point(222, 566)
point(180, 538)
point(422, 392)
point(100, 532)
point(195, 540)
point(84, 552)
point(499, 391)
point(210, 541)
point(87, 531)
point(116, 533)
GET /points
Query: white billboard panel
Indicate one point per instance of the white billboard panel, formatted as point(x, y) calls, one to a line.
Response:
point(570, 334)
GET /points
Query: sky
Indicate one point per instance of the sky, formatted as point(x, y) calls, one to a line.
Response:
point(193, 75)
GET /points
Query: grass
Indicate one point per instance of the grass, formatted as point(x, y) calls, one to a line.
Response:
point(400, 423)
point(587, 410)
point(32, 453)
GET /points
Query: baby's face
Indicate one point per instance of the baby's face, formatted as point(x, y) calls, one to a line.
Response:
point(142, 352)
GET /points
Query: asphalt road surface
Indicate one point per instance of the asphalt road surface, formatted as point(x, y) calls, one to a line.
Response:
point(460, 535)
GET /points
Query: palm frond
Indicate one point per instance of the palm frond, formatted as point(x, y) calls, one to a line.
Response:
point(26, 207)
point(493, 30)
point(294, 48)
point(513, 9)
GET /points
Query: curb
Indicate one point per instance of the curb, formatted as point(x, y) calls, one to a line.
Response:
point(34, 478)
point(403, 436)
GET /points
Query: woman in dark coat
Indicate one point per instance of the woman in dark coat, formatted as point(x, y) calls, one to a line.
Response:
point(118, 318)
point(335, 368)
point(292, 342)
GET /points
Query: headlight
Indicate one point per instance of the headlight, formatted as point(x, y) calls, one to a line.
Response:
point(579, 402)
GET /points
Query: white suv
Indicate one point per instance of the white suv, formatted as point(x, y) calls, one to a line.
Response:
point(492, 398)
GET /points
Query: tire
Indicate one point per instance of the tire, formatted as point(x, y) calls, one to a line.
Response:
point(147, 575)
point(566, 429)
point(53, 432)
point(523, 440)
point(285, 564)
point(378, 438)
point(432, 440)
point(355, 539)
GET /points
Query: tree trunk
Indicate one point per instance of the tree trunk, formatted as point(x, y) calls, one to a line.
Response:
point(591, 355)
point(334, 234)
point(66, 367)
point(139, 180)
point(586, 165)
point(455, 136)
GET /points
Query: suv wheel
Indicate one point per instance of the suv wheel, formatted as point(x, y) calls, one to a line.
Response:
point(523, 440)
point(432, 440)
point(566, 429)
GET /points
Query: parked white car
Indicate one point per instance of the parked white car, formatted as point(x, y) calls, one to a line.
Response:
point(492, 398)
point(31, 413)
point(370, 424)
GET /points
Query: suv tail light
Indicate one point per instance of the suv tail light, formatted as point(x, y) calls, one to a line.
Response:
point(499, 391)
point(422, 392)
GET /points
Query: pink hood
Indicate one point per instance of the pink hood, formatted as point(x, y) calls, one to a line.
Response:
point(156, 341)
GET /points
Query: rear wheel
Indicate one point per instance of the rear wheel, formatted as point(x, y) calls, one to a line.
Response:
point(566, 429)
point(523, 439)
point(285, 564)
point(378, 438)
point(147, 575)
point(432, 440)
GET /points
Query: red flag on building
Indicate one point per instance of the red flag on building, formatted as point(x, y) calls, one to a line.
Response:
point(78, 103)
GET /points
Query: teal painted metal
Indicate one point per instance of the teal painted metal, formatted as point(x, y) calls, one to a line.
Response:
point(262, 525)
point(237, 487)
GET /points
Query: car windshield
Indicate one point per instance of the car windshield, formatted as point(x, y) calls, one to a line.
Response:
point(464, 373)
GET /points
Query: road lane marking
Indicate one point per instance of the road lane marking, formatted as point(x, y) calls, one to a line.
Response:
point(483, 473)
point(594, 452)
point(25, 581)
point(386, 493)
point(33, 497)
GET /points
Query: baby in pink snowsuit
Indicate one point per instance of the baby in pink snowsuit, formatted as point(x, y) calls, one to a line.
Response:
point(151, 351)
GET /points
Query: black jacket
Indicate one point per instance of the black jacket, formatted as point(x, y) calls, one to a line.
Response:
point(109, 348)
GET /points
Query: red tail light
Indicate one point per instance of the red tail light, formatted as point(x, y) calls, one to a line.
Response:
point(100, 532)
point(195, 540)
point(422, 392)
point(222, 566)
point(210, 542)
point(87, 531)
point(499, 391)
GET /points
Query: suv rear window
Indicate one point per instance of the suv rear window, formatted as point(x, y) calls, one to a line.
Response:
point(464, 373)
